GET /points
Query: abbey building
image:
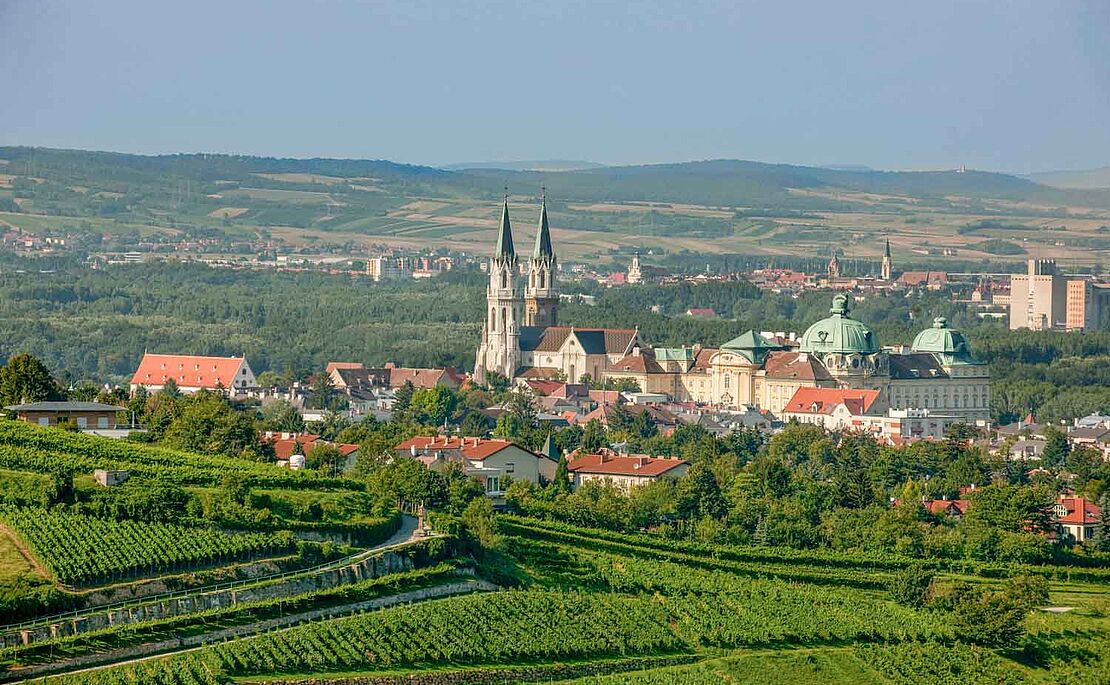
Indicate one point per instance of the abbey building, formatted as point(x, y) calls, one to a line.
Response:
point(522, 339)
point(521, 336)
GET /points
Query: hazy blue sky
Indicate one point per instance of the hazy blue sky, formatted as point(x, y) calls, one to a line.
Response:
point(1010, 85)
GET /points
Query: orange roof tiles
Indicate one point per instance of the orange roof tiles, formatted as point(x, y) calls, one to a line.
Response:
point(607, 462)
point(187, 371)
point(470, 448)
point(824, 400)
point(1079, 511)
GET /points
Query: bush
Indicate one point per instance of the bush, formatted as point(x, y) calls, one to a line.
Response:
point(910, 586)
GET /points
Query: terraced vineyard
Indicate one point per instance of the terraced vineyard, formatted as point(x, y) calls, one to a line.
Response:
point(81, 549)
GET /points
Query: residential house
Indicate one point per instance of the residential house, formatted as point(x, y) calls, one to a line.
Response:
point(86, 415)
point(489, 460)
point(287, 446)
point(626, 471)
point(1076, 519)
point(836, 408)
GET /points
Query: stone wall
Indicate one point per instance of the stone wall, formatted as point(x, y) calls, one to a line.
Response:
point(370, 567)
point(194, 642)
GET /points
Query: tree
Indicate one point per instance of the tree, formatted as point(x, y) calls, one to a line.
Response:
point(85, 391)
point(209, 425)
point(480, 522)
point(910, 586)
point(433, 406)
point(326, 458)
point(593, 437)
point(169, 388)
point(562, 476)
point(1102, 533)
point(282, 417)
point(402, 396)
point(1055, 447)
point(1012, 508)
point(699, 495)
point(322, 390)
point(26, 379)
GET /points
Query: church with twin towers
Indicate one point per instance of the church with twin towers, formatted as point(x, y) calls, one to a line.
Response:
point(521, 337)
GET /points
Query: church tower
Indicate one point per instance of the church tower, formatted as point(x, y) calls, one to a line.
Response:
point(834, 267)
point(888, 264)
point(541, 297)
point(500, 347)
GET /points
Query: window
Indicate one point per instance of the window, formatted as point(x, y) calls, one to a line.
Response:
point(102, 422)
point(44, 421)
point(510, 467)
point(493, 484)
point(82, 422)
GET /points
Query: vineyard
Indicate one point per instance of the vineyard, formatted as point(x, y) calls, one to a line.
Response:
point(29, 448)
point(81, 549)
point(812, 566)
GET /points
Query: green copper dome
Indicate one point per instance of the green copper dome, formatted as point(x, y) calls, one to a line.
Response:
point(940, 339)
point(839, 333)
point(751, 346)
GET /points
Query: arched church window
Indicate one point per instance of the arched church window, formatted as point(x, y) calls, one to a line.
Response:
point(504, 282)
point(542, 280)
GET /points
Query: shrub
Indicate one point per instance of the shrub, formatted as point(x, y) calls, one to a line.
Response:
point(910, 586)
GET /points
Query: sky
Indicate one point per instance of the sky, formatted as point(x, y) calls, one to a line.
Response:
point(1009, 85)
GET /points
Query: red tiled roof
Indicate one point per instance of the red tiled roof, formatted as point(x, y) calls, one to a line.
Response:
point(956, 507)
point(605, 396)
point(538, 372)
point(332, 366)
point(702, 360)
point(824, 400)
point(187, 371)
point(637, 363)
point(1080, 511)
point(920, 277)
point(612, 464)
point(285, 448)
point(470, 448)
point(424, 378)
point(544, 387)
point(793, 365)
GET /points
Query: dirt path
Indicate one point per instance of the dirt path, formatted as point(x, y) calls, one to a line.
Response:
point(24, 551)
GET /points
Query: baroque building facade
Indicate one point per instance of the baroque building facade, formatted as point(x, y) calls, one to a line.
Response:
point(522, 338)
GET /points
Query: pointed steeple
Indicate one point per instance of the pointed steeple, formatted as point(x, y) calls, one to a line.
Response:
point(549, 449)
point(886, 253)
point(543, 233)
point(505, 232)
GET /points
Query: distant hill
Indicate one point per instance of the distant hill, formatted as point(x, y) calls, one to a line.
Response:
point(532, 165)
point(1085, 179)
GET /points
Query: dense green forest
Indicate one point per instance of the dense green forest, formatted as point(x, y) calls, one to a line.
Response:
point(95, 325)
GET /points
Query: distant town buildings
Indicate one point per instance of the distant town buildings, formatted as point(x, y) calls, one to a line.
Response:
point(1045, 299)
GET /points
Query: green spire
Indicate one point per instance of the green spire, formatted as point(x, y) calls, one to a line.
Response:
point(543, 233)
point(887, 252)
point(505, 232)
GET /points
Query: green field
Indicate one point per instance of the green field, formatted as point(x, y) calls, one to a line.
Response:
point(715, 207)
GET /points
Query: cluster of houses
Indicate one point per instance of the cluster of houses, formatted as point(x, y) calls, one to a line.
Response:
point(1074, 518)
point(495, 462)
